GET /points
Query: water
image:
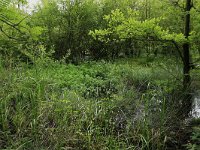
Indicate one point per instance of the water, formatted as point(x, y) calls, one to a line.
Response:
point(196, 105)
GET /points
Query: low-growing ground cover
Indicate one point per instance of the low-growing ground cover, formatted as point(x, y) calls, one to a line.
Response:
point(126, 104)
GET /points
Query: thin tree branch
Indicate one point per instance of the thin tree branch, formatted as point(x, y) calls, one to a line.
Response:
point(17, 24)
point(1, 29)
point(10, 24)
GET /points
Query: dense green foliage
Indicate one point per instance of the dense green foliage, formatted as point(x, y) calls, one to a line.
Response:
point(92, 106)
point(98, 74)
point(124, 28)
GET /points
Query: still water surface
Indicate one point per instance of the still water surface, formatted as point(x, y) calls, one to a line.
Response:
point(196, 105)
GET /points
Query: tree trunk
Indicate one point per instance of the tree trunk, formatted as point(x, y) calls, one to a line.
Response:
point(186, 46)
point(187, 102)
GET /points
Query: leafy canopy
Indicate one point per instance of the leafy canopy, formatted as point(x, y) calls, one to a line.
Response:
point(121, 26)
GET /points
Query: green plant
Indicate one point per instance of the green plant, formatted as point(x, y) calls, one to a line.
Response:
point(95, 105)
point(195, 139)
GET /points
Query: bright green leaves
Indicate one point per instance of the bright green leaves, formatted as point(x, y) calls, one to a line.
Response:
point(115, 18)
point(4, 3)
point(102, 35)
point(137, 29)
point(121, 27)
point(36, 32)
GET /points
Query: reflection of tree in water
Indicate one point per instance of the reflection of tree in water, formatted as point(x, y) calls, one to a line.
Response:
point(196, 106)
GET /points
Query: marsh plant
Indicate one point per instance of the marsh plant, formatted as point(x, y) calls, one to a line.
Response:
point(96, 105)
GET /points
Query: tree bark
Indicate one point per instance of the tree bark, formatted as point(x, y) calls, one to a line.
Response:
point(186, 47)
point(187, 101)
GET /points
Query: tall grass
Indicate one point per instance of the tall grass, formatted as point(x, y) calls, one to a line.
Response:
point(96, 105)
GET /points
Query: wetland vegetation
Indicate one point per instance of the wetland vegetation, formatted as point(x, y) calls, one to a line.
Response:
point(100, 75)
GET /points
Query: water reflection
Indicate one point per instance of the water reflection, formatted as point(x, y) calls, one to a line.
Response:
point(196, 106)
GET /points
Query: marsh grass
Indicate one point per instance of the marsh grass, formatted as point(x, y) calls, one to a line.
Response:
point(95, 105)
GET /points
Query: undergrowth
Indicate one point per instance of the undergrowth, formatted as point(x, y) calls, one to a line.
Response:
point(95, 105)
